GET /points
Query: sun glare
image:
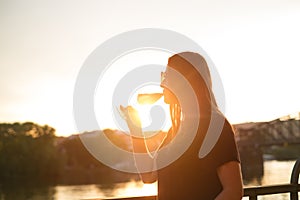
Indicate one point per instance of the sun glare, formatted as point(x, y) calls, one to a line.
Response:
point(152, 107)
point(111, 90)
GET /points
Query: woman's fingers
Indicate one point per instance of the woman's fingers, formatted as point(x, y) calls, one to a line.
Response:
point(130, 114)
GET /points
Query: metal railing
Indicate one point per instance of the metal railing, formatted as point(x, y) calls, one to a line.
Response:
point(293, 187)
point(253, 192)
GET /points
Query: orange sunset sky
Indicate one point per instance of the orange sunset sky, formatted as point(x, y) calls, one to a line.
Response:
point(255, 46)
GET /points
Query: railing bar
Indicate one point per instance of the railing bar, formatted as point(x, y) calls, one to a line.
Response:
point(295, 179)
point(295, 172)
point(274, 189)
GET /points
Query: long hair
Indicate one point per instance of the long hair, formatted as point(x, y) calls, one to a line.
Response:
point(175, 113)
point(193, 67)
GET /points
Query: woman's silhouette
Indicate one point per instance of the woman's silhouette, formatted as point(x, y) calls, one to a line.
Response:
point(217, 175)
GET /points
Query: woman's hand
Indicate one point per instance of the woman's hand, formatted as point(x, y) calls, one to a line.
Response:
point(132, 118)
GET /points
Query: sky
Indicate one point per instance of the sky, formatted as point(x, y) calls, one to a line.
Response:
point(254, 45)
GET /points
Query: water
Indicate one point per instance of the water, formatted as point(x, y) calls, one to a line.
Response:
point(276, 172)
point(128, 189)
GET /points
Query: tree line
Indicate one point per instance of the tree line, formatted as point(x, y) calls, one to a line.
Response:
point(30, 152)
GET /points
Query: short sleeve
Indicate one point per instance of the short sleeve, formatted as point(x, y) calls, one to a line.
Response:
point(225, 149)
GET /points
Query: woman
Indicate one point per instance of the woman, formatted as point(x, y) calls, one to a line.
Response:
point(217, 175)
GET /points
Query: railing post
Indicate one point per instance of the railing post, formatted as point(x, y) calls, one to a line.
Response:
point(295, 180)
point(254, 197)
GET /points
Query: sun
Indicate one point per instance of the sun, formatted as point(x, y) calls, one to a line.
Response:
point(147, 117)
point(151, 109)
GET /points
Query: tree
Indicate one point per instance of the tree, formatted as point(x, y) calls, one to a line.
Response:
point(27, 152)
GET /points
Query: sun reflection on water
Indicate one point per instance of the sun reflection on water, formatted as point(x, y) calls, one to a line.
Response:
point(134, 188)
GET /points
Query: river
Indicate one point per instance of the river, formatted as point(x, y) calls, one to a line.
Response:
point(275, 172)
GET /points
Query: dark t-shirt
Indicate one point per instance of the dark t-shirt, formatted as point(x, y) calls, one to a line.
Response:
point(190, 177)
